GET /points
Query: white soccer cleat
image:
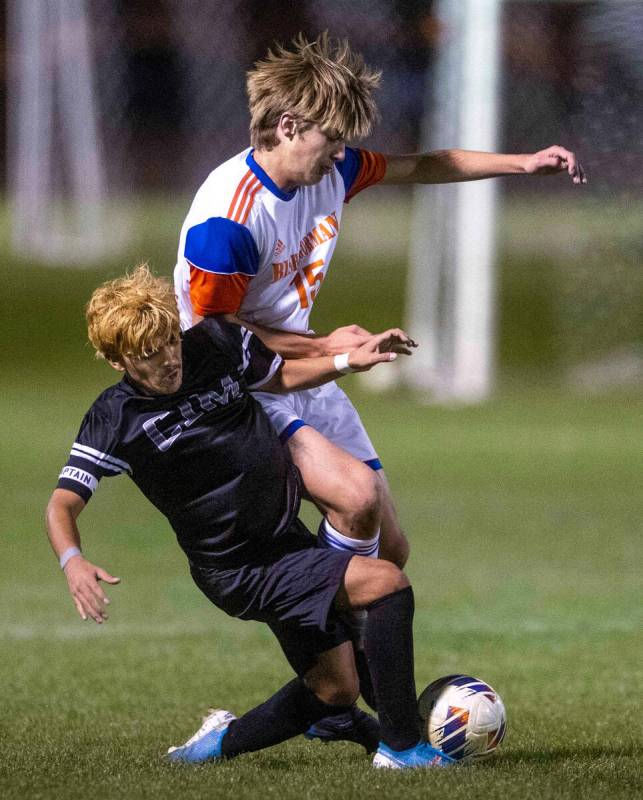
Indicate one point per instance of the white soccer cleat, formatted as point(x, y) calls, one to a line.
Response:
point(205, 745)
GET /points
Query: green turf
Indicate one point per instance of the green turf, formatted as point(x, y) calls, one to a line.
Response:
point(524, 517)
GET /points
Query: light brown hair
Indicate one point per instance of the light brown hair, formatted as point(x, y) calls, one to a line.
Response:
point(321, 82)
point(132, 316)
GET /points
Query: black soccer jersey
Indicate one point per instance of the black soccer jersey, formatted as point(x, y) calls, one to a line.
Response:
point(207, 456)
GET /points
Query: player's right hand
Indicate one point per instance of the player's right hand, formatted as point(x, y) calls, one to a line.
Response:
point(345, 339)
point(83, 579)
point(380, 348)
point(556, 159)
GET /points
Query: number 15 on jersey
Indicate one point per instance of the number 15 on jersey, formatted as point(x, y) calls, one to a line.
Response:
point(307, 281)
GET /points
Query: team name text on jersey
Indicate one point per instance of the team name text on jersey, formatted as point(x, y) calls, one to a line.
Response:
point(164, 429)
point(322, 232)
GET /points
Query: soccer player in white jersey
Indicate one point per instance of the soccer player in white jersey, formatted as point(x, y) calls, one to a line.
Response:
point(259, 237)
point(257, 244)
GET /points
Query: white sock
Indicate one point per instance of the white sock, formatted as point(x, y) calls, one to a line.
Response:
point(327, 536)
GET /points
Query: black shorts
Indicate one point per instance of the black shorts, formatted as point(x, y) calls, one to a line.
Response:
point(291, 589)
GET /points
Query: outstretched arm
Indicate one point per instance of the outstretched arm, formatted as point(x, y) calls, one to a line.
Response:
point(305, 373)
point(83, 577)
point(452, 166)
point(306, 345)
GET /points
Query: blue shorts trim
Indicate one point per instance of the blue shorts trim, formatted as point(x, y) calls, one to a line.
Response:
point(374, 463)
point(288, 431)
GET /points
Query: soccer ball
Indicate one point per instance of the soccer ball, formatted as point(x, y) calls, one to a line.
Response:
point(463, 717)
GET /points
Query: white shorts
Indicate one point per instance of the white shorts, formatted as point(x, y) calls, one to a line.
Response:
point(327, 410)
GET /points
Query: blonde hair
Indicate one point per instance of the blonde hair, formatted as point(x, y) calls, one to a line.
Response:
point(320, 82)
point(132, 316)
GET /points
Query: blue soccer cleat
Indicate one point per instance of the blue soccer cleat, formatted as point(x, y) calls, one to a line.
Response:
point(205, 745)
point(418, 757)
point(352, 726)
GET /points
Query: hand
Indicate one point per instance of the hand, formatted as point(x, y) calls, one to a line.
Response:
point(380, 348)
point(555, 159)
point(83, 579)
point(345, 339)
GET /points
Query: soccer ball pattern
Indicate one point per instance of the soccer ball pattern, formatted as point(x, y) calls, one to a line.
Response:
point(462, 716)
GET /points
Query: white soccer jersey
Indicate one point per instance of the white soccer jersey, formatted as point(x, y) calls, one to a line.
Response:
point(247, 247)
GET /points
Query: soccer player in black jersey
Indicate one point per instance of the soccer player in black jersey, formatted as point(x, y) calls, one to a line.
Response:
point(183, 424)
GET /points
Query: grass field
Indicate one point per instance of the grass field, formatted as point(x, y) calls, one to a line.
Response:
point(524, 517)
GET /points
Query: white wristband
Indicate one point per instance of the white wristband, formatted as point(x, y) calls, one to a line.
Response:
point(341, 364)
point(70, 552)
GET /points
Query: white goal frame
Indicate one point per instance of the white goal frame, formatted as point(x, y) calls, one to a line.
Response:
point(451, 297)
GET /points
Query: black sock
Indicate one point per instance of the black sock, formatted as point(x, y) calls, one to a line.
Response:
point(289, 712)
point(365, 681)
point(389, 653)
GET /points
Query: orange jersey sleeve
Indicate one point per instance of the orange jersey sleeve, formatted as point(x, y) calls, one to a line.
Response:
point(212, 293)
point(371, 171)
point(223, 259)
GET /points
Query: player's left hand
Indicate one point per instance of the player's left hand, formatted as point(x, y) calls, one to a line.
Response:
point(555, 159)
point(346, 338)
point(83, 579)
point(380, 348)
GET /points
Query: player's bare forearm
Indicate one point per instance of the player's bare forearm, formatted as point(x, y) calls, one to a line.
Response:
point(292, 345)
point(306, 373)
point(287, 343)
point(453, 166)
point(61, 515)
point(302, 373)
point(82, 576)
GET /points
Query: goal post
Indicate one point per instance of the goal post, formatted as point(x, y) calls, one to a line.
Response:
point(450, 305)
point(57, 182)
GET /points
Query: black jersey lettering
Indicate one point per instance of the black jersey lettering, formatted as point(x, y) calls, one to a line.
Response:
point(164, 429)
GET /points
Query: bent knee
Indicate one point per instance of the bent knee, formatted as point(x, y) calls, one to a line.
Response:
point(368, 580)
point(361, 497)
point(338, 693)
point(389, 579)
point(342, 697)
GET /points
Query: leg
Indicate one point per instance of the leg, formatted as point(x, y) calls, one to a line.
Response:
point(294, 595)
point(354, 498)
point(344, 489)
point(385, 592)
point(367, 581)
point(315, 424)
point(394, 545)
point(329, 687)
point(323, 430)
point(388, 643)
point(333, 679)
